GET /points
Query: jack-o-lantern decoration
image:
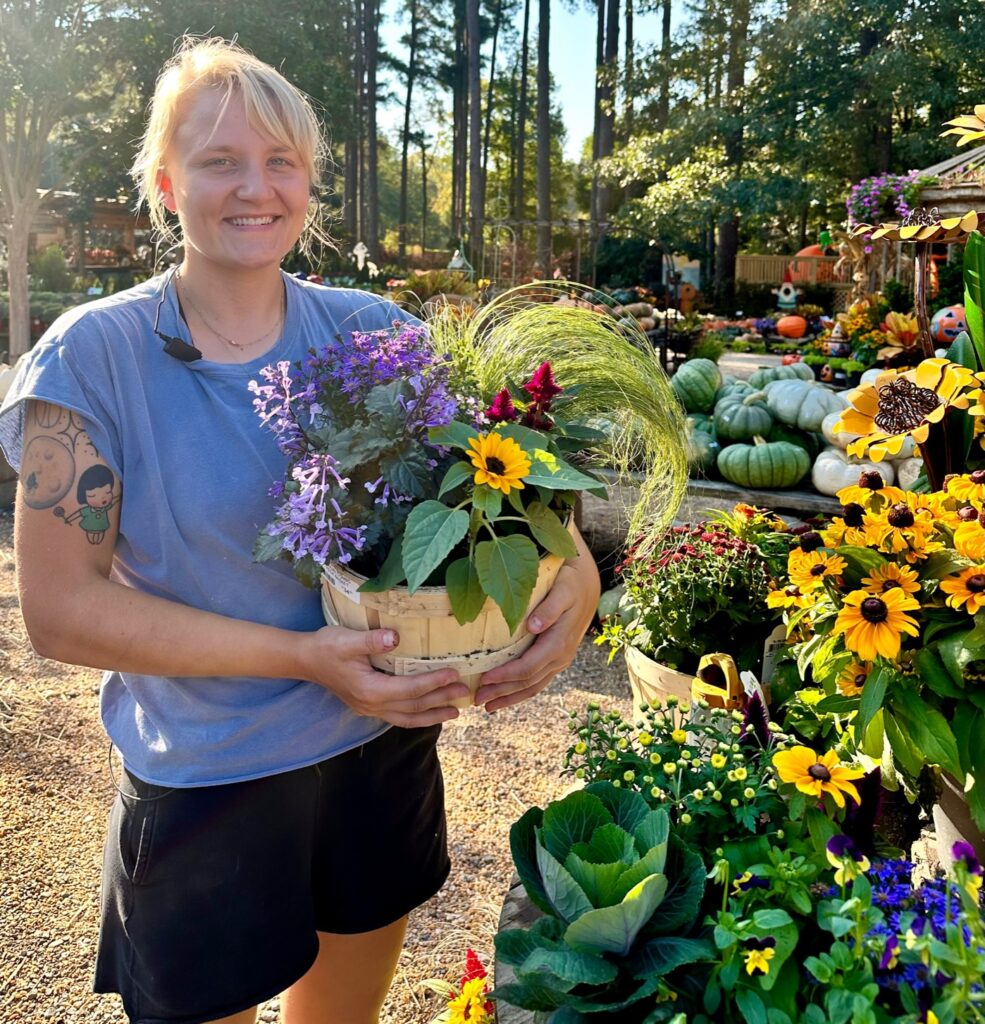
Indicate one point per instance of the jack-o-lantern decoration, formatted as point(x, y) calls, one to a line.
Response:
point(827, 373)
point(791, 326)
point(947, 324)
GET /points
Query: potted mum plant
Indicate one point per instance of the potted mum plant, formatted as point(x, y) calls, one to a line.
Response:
point(702, 589)
point(426, 490)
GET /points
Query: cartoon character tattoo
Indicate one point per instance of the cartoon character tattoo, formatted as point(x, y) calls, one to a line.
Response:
point(95, 496)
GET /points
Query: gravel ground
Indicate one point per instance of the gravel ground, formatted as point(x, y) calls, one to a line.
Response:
point(55, 793)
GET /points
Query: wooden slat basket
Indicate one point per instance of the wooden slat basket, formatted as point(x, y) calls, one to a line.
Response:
point(430, 636)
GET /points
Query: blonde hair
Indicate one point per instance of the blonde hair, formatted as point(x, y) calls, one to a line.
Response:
point(272, 104)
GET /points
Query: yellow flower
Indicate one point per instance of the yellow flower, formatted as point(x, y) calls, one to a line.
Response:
point(717, 761)
point(816, 774)
point(871, 491)
point(898, 405)
point(849, 528)
point(759, 960)
point(469, 1007)
point(499, 462)
point(970, 487)
point(873, 625)
point(892, 577)
point(967, 589)
point(903, 329)
point(903, 528)
point(679, 736)
point(969, 540)
point(808, 569)
point(789, 597)
point(852, 678)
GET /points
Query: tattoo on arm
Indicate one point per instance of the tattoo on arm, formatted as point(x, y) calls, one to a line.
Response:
point(49, 467)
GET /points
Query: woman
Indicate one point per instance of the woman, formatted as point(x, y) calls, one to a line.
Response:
point(280, 809)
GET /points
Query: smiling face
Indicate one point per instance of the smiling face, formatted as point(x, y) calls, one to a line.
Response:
point(240, 194)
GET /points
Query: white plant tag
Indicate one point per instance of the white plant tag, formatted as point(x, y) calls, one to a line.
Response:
point(342, 583)
point(774, 643)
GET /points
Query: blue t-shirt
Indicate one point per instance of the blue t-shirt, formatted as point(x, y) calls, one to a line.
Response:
point(196, 467)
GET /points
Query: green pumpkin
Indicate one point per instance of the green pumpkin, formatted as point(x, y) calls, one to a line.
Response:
point(764, 465)
point(702, 452)
point(695, 383)
point(743, 419)
point(699, 421)
point(795, 371)
point(738, 387)
point(812, 442)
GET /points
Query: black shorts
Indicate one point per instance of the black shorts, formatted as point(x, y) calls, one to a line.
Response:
point(212, 895)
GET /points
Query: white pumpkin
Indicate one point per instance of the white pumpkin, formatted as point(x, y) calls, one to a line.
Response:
point(870, 376)
point(908, 451)
point(802, 403)
point(835, 469)
point(838, 438)
point(907, 471)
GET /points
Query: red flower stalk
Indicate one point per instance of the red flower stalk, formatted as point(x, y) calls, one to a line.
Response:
point(502, 409)
point(542, 386)
point(473, 966)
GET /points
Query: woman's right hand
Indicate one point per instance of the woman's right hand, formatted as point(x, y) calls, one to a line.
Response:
point(338, 659)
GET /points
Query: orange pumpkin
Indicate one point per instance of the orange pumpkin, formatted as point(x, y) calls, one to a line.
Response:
point(791, 326)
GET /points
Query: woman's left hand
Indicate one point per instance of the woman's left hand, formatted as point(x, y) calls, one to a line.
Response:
point(559, 621)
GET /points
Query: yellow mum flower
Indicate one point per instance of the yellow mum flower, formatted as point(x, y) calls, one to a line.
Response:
point(469, 1007)
point(891, 577)
point(873, 625)
point(852, 678)
point(789, 597)
point(499, 462)
point(967, 589)
point(901, 405)
point(808, 569)
point(816, 774)
point(717, 761)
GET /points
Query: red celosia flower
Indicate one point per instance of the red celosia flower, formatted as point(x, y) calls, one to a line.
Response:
point(473, 966)
point(502, 409)
point(542, 386)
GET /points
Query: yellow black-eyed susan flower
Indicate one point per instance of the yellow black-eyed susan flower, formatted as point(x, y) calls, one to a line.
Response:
point(848, 528)
point(891, 576)
point(816, 774)
point(871, 491)
point(904, 528)
point(808, 569)
point(873, 625)
point(789, 597)
point(499, 462)
point(852, 678)
point(968, 487)
point(966, 590)
point(969, 540)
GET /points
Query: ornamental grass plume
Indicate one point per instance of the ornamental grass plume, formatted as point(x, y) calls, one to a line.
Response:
point(612, 368)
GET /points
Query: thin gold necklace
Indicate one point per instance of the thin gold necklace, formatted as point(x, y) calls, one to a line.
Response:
point(229, 341)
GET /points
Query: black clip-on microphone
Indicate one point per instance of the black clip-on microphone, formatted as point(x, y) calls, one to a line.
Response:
point(174, 347)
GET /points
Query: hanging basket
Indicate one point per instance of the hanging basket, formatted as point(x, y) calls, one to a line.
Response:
point(430, 636)
point(952, 200)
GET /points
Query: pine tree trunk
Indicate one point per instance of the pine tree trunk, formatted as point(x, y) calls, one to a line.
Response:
point(607, 112)
point(521, 130)
point(405, 137)
point(593, 206)
point(372, 139)
point(475, 132)
point(497, 21)
point(544, 138)
point(663, 104)
point(358, 125)
point(18, 236)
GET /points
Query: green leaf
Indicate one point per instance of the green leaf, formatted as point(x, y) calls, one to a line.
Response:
point(384, 408)
point(599, 882)
point(903, 750)
point(608, 844)
point(523, 848)
point(549, 531)
point(932, 673)
point(488, 500)
point(686, 874)
point(653, 830)
point(768, 920)
point(464, 590)
point(457, 474)
point(431, 532)
point(514, 945)
point(529, 440)
point(873, 694)
point(751, 1006)
point(614, 929)
point(570, 966)
point(974, 295)
point(559, 477)
point(653, 863)
point(453, 435)
point(573, 819)
point(627, 807)
point(508, 569)
point(860, 562)
point(267, 547)
point(927, 729)
point(969, 728)
point(391, 572)
point(837, 705)
point(666, 954)
point(535, 992)
point(407, 471)
point(563, 892)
